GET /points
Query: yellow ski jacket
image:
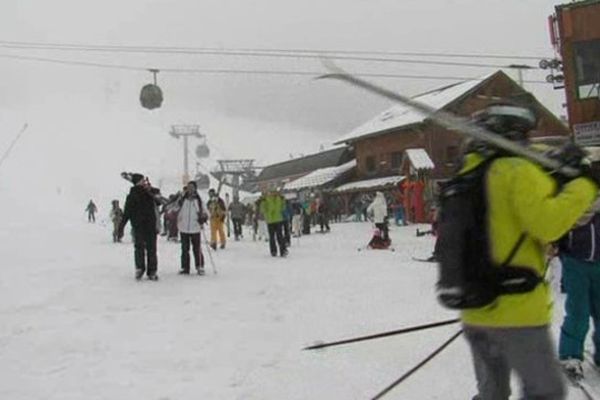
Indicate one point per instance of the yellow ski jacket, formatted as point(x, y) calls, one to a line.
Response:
point(523, 198)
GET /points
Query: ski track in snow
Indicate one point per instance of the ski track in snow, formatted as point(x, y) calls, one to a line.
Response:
point(76, 325)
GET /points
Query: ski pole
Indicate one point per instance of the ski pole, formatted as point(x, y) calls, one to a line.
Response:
point(418, 366)
point(10, 147)
point(383, 334)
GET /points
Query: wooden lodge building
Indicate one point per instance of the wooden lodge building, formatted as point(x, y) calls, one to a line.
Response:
point(402, 152)
point(380, 143)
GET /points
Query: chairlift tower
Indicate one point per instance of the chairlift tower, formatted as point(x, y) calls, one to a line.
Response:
point(185, 132)
point(234, 169)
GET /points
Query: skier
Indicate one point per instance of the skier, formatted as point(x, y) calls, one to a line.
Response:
point(579, 253)
point(288, 213)
point(378, 209)
point(140, 209)
point(322, 214)
point(525, 210)
point(297, 219)
point(116, 215)
point(238, 212)
point(218, 211)
point(171, 213)
point(272, 208)
point(190, 218)
point(91, 210)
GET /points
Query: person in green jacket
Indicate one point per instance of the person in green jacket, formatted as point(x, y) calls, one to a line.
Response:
point(525, 205)
point(272, 208)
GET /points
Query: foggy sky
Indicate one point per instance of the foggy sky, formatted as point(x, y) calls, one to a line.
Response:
point(263, 117)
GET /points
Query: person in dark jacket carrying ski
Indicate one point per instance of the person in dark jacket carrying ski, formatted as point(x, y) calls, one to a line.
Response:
point(190, 219)
point(525, 209)
point(140, 209)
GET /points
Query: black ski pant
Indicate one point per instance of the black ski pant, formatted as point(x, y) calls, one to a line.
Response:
point(237, 227)
point(145, 251)
point(91, 217)
point(276, 232)
point(383, 227)
point(286, 232)
point(324, 223)
point(192, 239)
point(306, 225)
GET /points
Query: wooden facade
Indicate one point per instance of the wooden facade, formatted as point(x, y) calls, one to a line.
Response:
point(380, 154)
point(578, 26)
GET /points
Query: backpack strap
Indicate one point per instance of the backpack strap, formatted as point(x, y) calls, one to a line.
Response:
point(514, 250)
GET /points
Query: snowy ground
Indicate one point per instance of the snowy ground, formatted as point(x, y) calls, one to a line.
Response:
point(74, 324)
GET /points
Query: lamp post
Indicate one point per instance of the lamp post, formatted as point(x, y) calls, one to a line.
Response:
point(185, 131)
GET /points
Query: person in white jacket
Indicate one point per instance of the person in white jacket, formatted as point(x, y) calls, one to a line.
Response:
point(190, 218)
point(378, 209)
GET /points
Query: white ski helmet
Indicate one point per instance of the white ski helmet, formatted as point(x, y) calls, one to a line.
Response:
point(507, 120)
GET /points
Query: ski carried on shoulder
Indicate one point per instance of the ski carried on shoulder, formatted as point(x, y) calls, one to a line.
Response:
point(451, 121)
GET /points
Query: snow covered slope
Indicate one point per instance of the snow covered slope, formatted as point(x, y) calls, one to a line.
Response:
point(76, 325)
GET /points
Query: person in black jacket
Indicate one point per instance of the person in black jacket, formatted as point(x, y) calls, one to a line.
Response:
point(140, 209)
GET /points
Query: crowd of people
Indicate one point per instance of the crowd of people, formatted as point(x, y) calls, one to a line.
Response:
point(182, 216)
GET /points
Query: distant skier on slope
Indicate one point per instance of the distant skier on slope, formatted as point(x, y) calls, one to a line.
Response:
point(91, 210)
point(523, 209)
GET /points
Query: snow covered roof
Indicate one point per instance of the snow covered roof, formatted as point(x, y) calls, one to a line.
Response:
point(419, 159)
point(369, 184)
point(328, 158)
point(400, 115)
point(320, 176)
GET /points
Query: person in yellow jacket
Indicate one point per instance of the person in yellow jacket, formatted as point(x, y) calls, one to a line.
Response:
point(217, 211)
point(525, 205)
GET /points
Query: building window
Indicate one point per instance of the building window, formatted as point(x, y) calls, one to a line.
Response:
point(396, 160)
point(452, 155)
point(370, 164)
point(587, 68)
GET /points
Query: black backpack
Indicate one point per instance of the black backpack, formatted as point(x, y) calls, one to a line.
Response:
point(467, 276)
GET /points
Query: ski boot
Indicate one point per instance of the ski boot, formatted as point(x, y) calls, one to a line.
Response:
point(139, 273)
point(572, 368)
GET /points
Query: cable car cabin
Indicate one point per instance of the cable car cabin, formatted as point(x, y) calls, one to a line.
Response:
point(202, 181)
point(575, 33)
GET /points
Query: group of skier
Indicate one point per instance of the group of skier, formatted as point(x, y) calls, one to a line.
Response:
point(492, 254)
